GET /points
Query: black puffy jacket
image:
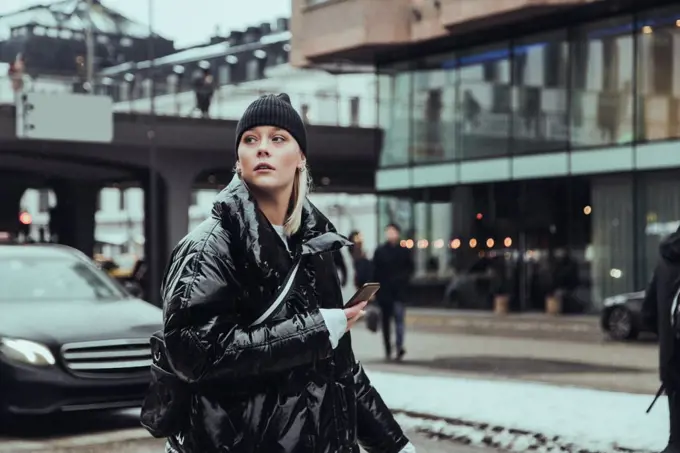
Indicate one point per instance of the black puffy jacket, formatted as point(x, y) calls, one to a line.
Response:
point(278, 387)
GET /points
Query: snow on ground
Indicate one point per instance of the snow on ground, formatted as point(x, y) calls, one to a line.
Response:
point(523, 414)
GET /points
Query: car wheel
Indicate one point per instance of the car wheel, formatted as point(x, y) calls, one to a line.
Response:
point(620, 324)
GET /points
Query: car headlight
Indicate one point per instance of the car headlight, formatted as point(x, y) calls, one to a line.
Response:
point(25, 351)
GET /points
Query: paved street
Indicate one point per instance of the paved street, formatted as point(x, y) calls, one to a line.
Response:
point(605, 365)
point(597, 364)
point(118, 433)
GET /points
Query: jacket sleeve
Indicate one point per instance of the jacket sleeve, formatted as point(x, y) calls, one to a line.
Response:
point(650, 305)
point(203, 345)
point(377, 430)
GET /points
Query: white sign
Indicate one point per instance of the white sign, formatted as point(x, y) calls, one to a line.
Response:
point(64, 116)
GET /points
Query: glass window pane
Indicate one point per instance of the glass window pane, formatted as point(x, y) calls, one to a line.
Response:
point(484, 102)
point(540, 77)
point(434, 103)
point(659, 216)
point(602, 83)
point(395, 116)
point(659, 74)
point(612, 256)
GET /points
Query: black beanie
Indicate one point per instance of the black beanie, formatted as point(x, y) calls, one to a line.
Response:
point(273, 110)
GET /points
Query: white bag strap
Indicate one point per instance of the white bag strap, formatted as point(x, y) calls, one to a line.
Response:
point(674, 307)
point(282, 295)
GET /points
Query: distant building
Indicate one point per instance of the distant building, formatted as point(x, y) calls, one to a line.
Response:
point(244, 64)
point(51, 39)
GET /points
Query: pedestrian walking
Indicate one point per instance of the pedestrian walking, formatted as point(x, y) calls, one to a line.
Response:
point(254, 326)
point(392, 268)
point(660, 309)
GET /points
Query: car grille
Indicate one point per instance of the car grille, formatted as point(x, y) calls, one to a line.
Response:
point(107, 357)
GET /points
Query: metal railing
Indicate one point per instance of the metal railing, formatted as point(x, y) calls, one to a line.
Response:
point(228, 101)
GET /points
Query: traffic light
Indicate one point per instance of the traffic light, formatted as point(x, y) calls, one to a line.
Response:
point(25, 221)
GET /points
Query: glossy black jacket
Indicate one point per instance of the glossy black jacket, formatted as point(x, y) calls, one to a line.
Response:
point(277, 387)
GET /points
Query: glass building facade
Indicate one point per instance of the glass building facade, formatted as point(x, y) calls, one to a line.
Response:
point(560, 143)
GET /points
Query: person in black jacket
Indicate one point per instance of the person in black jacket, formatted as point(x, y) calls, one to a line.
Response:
point(657, 309)
point(392, 268)
point(262, 380)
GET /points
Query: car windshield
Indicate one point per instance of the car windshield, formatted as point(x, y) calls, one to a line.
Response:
point(63, 278)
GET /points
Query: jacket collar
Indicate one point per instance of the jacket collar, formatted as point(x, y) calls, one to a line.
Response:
point(316, 234)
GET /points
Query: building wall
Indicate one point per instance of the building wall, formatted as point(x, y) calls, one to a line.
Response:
point(532, 134)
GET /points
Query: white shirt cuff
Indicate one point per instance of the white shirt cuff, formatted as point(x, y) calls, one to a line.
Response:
point(336, 323)
point(409, 448)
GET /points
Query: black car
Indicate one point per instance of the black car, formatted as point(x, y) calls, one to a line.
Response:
point(71, 338)
point(621, 316)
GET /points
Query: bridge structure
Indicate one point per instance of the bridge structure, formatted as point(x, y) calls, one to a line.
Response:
point(178, 152)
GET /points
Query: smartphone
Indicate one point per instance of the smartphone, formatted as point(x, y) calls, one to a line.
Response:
point(365, 293)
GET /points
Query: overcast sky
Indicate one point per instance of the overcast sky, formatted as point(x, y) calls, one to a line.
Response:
point(187, 21)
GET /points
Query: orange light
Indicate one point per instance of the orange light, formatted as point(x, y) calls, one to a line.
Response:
point(473, 243)
point(25, 218)
point(409, 243)
point(507, 242)
point(455, 243)
point(402, 242)
point(423, 243)
point(490, 242)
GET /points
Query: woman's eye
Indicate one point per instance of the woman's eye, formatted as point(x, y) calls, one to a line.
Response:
point(278, 138)
point(250, 139)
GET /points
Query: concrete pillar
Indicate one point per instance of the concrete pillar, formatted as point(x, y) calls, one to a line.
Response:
point(10, 198)
point(73, 217)
point(172, 220)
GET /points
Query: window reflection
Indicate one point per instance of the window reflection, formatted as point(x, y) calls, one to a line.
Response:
point(395, 116)
point(602, 83)
point(434, 102)
point(484, 102)
point(540, 75)
point(659, 74)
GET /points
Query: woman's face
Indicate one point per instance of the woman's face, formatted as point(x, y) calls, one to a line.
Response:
point(268, 158)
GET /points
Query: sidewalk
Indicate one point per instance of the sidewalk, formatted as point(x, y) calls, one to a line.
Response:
point(584, 328)
point(521, 416)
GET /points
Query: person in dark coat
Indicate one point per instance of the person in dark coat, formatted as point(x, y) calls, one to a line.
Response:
point(392, 268)
point(658, 306)
point(290, 384)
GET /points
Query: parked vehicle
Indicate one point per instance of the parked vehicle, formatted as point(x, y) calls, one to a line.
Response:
point(621, 317)
point(71, 337)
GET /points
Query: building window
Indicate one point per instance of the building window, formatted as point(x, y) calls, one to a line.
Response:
point(172, 81)
point(224, 74)
point(659, 75)
point(394, 91)
point(484, 112)
point(602, 84)
point(124, 91)
point(253, 69)
point(43, 200)
point(121, 200)
point(147, 86)
point(354, 111)
point(540, 70)
point(433, 89)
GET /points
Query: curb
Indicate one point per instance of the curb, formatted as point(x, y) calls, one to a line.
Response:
point(498, 437)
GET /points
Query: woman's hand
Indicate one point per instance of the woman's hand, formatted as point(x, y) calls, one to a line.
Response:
point(354, 314)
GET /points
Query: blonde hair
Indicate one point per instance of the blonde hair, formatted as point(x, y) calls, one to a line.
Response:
point(302, 185)
point(301, 188)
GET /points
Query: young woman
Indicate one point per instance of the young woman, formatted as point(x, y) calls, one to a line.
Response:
point(263, 380)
